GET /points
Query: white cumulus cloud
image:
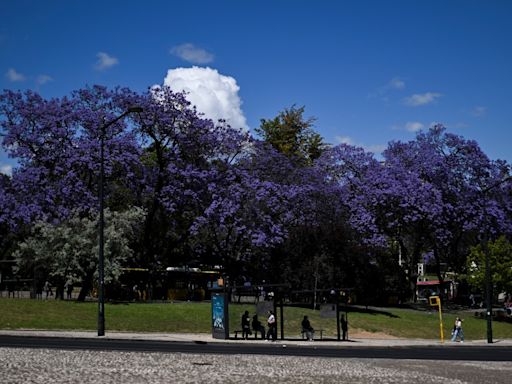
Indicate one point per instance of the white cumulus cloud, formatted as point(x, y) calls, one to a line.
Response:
point(213, 94)
point(13, 75)
point(192, 54)
point(421, 99)
point(6, 169)
point(105, 61)
point(414, 126)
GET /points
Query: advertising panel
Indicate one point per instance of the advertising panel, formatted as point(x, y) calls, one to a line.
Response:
point(220, 317)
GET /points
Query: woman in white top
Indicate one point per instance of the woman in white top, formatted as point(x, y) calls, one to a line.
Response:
point(457, 330)
point(272, 326)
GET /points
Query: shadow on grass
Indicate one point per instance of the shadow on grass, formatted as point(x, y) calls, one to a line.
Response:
point(352, 309)
point(370, 311)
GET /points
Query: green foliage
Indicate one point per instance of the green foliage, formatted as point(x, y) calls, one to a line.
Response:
point(69, 250)
point(291, 134)
point(500, 259)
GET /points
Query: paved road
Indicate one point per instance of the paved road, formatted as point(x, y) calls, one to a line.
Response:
point(56, 366)
point(81, 357)
point(446, 352)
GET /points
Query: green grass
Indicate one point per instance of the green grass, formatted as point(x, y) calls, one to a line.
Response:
point(195, 318)
point(67, 315)
point(402, 323)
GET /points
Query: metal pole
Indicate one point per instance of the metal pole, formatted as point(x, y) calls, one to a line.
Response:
point(101, 256)
point(441, 331)
point(488, 277)
point(281, 317)
point(346, 319)
point(338, 334)
point(488, 288)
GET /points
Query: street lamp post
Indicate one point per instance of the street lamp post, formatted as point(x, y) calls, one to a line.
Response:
point(488, 276)
point(101, 255)
point(488, 288)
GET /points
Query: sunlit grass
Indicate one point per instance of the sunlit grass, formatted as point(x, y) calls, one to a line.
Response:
point(195, 318)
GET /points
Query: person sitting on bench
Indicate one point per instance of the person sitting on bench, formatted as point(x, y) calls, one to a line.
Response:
point(258, 327)
point(307, 329)
point(246, 325)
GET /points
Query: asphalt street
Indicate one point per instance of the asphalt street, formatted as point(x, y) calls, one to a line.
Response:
point(32, 356)
point(59, 366)
point(282, 348)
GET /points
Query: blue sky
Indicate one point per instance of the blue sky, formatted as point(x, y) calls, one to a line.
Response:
point(369, 71)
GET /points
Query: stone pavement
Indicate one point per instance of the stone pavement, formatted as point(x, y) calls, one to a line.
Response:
point(40, 365)
point(203, 337)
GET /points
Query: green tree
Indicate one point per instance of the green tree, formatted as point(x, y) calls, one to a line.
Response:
point(293, 135)
point(70, 250)
point(500, 258)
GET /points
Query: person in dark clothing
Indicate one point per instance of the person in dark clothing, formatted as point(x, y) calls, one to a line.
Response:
point(39, 291)
point(257, 326)
point(69, 288)
point(307, 329)
point(344, 326)
point(11, 287)
point(246, 325)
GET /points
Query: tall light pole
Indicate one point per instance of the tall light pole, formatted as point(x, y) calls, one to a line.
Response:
point(101, 255)
point(488, 276)
point(488, 288)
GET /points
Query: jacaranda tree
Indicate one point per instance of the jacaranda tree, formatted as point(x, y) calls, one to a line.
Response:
point(286, 208)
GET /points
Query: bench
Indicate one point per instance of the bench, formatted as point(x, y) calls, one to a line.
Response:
point(239, 331)
point(317, 331)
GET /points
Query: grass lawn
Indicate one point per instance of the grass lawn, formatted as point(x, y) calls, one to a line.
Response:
point(194, 317)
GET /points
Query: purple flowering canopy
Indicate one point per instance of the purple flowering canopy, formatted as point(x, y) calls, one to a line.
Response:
point(460, 175)
point(250, 204)
point(212, 193)
point(183, 169)
point(56, 143)
point(430, 194)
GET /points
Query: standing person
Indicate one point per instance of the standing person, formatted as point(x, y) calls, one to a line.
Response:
point(257, 326)
point(39, 291)
point(69, 288)
point(472, 302)
point(457, 330)
point(48, 289)
point(344, 327)
point(10, 289)
point(307, 328)
point(272, 326)
point(246, 325)
point(135, 291)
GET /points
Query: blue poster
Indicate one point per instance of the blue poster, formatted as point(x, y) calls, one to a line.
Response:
point(218, 312)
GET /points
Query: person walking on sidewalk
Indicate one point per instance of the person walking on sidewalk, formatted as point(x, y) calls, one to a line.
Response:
point(457, 330)
point(272, 326)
